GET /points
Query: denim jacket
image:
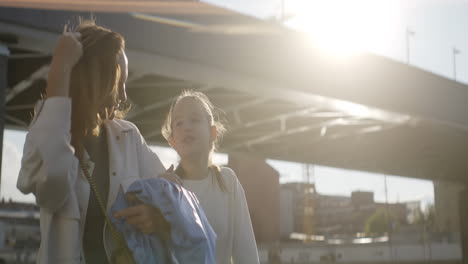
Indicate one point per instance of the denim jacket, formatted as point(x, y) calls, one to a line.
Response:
point(191, 238)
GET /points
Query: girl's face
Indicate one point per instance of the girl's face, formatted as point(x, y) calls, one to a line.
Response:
point(192, 133)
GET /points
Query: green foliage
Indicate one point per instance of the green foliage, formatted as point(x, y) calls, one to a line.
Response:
point(379, 223)
point(426, 218)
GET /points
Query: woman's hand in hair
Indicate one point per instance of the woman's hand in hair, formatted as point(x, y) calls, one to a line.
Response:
point(68, 50)
point(67, 53)
point(170, 175)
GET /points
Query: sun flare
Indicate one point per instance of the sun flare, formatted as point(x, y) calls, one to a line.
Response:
point(344, 27)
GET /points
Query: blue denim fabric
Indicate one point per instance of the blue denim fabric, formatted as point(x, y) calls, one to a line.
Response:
point(192, 240)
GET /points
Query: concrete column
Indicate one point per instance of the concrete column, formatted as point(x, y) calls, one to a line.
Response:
point(4, 53)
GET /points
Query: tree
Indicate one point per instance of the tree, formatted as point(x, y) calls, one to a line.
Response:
point(426, 218)
point(378, 223)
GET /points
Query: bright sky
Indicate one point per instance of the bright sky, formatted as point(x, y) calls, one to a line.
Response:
point(13, 142)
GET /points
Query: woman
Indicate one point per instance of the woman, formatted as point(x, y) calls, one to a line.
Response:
point(77, 131)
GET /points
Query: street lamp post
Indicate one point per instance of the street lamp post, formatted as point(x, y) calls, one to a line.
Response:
point(409, 34)
point(455, 52)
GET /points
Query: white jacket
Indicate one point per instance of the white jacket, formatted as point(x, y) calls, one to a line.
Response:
point(50, 170)
point(228, 214)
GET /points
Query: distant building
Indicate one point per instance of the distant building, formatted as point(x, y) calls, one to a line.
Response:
point(332, 215)
point(19, 213)
point(277, 210)
point(288, 203)
point(297, 207)
point(19, 232)
point(414, 210)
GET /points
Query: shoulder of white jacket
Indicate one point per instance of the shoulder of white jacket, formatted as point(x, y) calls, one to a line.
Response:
point(121, 125)
point(227, 171)
point(229, 175)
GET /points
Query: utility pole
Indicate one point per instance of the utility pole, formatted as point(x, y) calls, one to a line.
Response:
point(455, 52)
point(409, 34)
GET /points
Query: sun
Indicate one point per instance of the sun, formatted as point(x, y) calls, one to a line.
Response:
point(345, 27)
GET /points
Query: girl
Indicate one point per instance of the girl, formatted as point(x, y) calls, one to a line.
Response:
point(85, 92)
point(190, 128)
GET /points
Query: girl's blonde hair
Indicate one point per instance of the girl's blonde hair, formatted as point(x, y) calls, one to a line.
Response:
point(213, 120)
point(94, 83)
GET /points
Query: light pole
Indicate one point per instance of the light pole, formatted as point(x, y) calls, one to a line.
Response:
point(455, 52)
point(389, 221)
point(409, 34)
point(282, 11)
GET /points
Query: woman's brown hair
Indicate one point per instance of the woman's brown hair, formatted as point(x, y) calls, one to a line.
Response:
point(94, 84)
